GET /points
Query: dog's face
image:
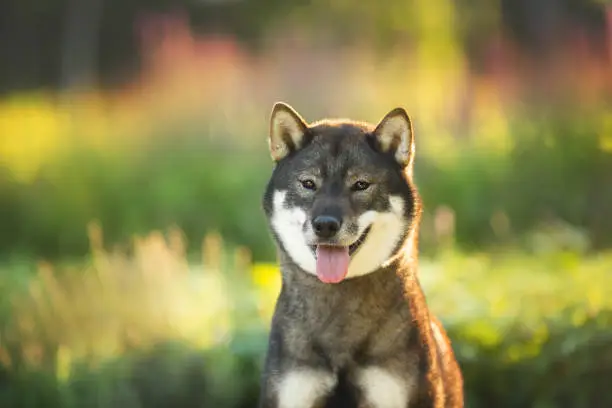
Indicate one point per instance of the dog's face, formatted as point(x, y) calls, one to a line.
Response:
point(340, 201)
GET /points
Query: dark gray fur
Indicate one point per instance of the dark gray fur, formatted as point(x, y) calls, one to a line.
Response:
point(379, 319)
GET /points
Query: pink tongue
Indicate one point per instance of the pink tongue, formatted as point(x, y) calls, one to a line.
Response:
point(332, 263)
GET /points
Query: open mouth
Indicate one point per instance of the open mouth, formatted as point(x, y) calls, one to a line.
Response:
point(333, 260)
point(355, 245)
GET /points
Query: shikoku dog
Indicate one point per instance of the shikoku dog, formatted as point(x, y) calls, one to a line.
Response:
point(351, 327)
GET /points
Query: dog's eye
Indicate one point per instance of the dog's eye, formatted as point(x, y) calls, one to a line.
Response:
point(360, 185)
point(308, 184)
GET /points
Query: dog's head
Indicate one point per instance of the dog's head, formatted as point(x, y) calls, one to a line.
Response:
point(340, 201)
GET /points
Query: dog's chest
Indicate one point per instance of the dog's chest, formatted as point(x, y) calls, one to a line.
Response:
point(361, 333)
point(353, 364)
point(346, 325)
point(372, 387)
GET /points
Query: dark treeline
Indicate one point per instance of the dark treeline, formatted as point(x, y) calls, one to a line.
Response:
point(59, 43)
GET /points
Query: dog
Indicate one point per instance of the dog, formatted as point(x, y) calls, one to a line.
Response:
point(351, 327)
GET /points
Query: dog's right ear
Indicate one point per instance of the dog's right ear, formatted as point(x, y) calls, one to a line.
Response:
point(288, 131)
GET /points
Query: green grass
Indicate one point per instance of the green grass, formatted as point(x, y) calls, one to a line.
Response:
point(153, 330)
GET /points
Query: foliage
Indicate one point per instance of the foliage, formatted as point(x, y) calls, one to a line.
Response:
point(152, 330)
point(42, 58)
point(555, 168)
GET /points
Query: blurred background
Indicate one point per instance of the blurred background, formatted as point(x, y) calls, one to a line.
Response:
point(136, 268)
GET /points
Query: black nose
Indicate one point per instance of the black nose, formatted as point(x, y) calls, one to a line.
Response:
point(326, 226)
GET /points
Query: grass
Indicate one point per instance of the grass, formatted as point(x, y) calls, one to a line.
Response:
point(106, 320)
point(117, 300)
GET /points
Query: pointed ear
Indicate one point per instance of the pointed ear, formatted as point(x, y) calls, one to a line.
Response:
point(394, 135)
point(288, 131)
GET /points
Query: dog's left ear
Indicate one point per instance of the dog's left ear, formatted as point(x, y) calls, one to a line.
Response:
point(288, 131)
point(394, 135)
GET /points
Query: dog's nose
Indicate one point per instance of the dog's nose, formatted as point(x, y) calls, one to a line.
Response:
point(326, 226)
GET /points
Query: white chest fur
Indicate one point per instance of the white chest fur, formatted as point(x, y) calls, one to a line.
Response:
point(302, 388)
point(380, 388)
